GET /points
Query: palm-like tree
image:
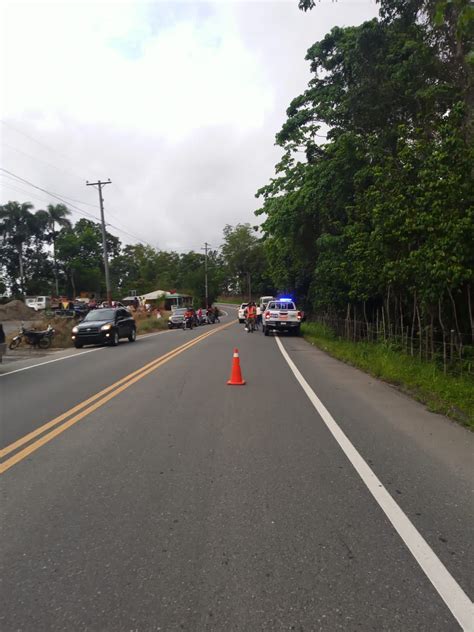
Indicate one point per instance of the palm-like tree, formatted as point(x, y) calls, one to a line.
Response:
point(57, 215)
point(17, 226)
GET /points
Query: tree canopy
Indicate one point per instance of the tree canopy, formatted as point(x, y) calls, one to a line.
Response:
point(380, 214)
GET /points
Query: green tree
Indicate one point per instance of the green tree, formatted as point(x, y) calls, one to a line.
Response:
point(57, 216)
point(18, 228)
point(79, 253)
point(380, 215)
point(245, 260)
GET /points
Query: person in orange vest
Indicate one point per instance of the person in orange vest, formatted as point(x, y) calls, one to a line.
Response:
point(251, 315)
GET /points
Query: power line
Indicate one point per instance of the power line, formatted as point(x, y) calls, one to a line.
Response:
point(111, 214)
point(55, 195)
point(54, 151)
point(49, 164)
point(61, 198)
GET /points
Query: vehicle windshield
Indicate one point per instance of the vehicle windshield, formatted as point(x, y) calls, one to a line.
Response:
point(179, 312)
point(285, 305)
point(100, 314)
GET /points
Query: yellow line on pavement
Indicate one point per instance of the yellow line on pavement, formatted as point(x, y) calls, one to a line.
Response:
point(105, 395)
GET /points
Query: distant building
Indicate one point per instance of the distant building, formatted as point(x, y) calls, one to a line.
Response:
point(164, 299)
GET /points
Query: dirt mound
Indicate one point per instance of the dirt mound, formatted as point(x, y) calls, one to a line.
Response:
point(16, 310)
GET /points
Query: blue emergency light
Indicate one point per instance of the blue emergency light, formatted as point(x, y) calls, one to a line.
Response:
point(283, 300)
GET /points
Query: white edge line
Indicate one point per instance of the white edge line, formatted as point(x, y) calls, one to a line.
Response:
point(33, 366)
point(450, 591)
point(74, 355)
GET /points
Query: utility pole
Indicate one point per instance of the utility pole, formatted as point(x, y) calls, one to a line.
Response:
point(99, 185)
point(206, 248)
point(249, 286)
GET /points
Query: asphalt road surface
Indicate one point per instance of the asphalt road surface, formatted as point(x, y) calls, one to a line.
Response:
point(140, 492)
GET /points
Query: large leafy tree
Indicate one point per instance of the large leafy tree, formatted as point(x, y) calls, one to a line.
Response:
point(380, 215)
point(56, 218)
point(245, 260)
point(21, 232)
point(79, 253)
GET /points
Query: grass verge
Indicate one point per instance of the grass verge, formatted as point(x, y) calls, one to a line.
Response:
point(449, 395)
point(148, 323)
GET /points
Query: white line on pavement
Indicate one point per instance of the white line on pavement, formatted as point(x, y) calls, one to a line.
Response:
point(448, 588)
point(74, 355)
point(33, 366)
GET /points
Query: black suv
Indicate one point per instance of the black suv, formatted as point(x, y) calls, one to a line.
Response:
point(105, 326)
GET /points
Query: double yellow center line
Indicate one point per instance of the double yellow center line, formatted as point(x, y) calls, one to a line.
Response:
point(53, 428)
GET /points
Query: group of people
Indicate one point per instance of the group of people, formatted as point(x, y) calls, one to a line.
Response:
point(253, 317)
point(212, 314)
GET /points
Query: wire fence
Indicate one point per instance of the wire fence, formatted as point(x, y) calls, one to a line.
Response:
point(450, 350)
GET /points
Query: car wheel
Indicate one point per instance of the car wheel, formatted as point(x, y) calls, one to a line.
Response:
point(115, 339)
point(78, 345)
point(133, 335)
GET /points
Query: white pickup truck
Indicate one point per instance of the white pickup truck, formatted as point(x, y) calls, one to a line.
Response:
point(281, 315)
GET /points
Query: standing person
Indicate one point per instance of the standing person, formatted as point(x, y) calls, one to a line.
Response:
point(251, 316)
point(136, 303)
point(258, 322)
point(216, 314)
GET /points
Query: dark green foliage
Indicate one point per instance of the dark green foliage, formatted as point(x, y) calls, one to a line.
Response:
point(379, 219)
point(36, 258)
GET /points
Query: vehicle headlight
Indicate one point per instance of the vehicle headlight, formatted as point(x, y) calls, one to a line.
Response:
point(75, 330)
point(106, 327)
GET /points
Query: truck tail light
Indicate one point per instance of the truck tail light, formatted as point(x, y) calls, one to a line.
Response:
point(300, 315)
point(267, 315)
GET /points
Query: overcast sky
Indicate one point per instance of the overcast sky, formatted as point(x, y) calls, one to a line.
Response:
point(176, 102)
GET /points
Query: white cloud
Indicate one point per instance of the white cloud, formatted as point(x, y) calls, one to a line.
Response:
point(178, 103)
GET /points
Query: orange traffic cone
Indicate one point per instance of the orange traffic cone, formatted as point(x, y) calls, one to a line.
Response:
point(236, 374)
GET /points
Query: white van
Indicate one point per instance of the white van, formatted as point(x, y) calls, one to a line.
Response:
point(38, 302)
point(263, 301)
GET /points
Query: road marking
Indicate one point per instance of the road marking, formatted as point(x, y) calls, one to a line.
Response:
point(450, 591)
point(106, 395)
point(75, 355)
point(33, 366)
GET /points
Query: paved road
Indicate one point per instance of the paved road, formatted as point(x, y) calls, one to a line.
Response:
point(175, 502)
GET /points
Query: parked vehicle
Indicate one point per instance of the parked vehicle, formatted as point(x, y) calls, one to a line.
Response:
point(177, 317)
point(264, 300)
point(242, 313)
point(282, 315)
point(81, 309)
point(38, 302)
point(33, 337)
point(105, 326)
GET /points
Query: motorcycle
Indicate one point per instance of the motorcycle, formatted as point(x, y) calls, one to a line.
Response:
point(250, 325)
point(188, 323)
point(41, 339)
